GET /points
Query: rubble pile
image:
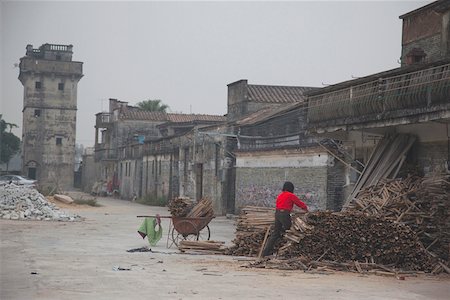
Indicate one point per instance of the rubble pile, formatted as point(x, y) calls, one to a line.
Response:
point(26, 203)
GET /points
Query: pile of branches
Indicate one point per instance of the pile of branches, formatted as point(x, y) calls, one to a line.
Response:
point(251, 227)
point(348, 237)
point(421, 203)
point(186, 207)
point(180, 206)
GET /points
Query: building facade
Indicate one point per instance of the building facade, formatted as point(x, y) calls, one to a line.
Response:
point(50, 79)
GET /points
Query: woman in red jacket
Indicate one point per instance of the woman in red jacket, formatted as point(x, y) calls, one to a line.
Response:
point(285, 203)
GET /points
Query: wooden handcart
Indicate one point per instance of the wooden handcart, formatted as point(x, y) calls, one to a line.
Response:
point(186, 228)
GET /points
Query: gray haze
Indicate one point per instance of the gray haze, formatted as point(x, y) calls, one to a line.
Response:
point(186, 53)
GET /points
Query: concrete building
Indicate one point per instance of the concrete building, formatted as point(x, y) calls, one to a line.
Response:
point(413, 99)
point(50, 80)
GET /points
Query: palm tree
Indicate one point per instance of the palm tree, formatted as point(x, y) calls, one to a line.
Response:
point(152, 105)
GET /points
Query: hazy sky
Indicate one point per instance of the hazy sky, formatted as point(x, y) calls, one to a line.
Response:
point(186, 53)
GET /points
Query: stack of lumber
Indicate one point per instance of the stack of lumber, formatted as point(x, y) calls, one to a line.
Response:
point(180, 206)
point(203, 208)
point(203, 247)
point(251, 227)
point(384, 162)
point(421, 203)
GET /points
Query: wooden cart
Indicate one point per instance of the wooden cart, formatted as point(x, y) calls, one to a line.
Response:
point(186, 228)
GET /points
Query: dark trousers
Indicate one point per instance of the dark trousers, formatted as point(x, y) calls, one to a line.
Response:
point(282, 223)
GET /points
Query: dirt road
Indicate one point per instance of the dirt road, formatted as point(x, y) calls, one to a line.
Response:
point(54, 260)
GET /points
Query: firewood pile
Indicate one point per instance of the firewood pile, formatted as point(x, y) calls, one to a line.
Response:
point(203, 208)
point(384, 162)
point(186, 207)
point(251, 227)
point(421, 203)
point(203, 247)
point(346, 237)
point(180, 206)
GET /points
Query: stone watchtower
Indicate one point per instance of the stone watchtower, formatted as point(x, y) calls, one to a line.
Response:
point(50, 79)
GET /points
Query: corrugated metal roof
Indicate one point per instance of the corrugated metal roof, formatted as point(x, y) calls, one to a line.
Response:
point(276, 94)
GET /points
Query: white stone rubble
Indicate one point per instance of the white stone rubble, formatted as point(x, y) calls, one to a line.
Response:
point(19, 202)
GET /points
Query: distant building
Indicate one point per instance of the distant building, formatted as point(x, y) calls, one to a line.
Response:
point(426, 33)
point(50, 79)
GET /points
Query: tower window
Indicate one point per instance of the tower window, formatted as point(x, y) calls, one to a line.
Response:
point(61, 86)
point(37, 113)
point(58, 141)
point(58, 57)
point(37, 85)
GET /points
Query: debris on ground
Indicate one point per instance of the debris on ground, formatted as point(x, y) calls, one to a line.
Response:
point(63, 198)
point(140, 249)
point(18, 202)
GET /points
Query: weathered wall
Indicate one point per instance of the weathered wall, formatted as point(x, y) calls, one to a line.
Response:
point(432, 157)
point(335, 184)
point(259, 177)
point(90, 172)
point(57, 120)
point(427, 30)
point(129, 177)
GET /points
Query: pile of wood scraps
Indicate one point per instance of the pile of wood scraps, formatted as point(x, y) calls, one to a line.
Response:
point(180, 206)
point(349, 236)
point(385, 161)
point(326, 266)
point(421, 203)
point(251, 228)
point(202, 247)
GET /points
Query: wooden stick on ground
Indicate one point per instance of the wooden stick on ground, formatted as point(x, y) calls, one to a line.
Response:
point(264, 242)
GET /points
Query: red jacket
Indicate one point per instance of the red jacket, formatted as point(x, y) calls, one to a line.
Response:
point(286, 201)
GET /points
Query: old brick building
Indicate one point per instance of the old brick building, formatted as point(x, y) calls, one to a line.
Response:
point(426, 33)
point(50, 79)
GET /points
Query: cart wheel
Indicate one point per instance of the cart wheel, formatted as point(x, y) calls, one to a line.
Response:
point(204, 234)
point(178, 237)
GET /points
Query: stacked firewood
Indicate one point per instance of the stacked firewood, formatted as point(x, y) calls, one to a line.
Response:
point(203, 247)
point(203, 208)
point(180, 206)
point(421, 203)
point(251, 227)
point(349, 236)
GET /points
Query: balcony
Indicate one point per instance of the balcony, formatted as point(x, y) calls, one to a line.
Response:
point(103, 120)
point(403, 97)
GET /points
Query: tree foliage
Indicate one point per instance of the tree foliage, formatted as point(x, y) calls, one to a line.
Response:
point(152, 105)
point(9, 143)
